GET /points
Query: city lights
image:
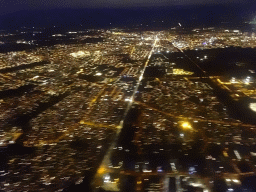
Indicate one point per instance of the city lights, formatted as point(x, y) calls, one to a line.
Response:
point(130, 105)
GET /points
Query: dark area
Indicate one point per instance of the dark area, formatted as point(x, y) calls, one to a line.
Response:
point(229, 62)
point(128, 184)
point(17, 92)
point(249, 184)
point(23, 66)
point(41, 37)
point(154, 72)
point(125, 138)
point(237, 109)
point(22, 120)
point(91, 78)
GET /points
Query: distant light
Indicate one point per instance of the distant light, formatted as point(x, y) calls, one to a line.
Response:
point(159, 169)
point(237, 155)
point(98, 74)
point(173, 166)
point(35, 77)
point(129, 100)
point(101, 170)
point(236, 181)
point(233, 80)
point(253, 106)
point(106, 179)
point(191, 170)
point(186, 125)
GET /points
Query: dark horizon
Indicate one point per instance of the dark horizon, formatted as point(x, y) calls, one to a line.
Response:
point(36, 5)
point(206, 15)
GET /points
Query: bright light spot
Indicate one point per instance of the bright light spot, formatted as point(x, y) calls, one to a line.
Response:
point(191, 170)
point(196, 184)
point(106, 179)
point(101, 170)
point(186, 125)
point(247, 80)
point(35, 77)
point(98, 74)
point(233, 80)
point(80, 54)
point(129, 100)
point(237, 155)
point(236, 181)
point(173, 166)
point(182, 135)
point(228, 180)
point(253, 106)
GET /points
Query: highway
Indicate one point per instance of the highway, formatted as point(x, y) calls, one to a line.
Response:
point(103, 168)
point(196, 119)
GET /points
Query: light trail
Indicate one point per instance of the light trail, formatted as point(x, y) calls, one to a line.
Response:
point(103, 168)
point(140, 78)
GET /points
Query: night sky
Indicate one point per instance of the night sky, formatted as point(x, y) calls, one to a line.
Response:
point(103, 13)
point(8, 6)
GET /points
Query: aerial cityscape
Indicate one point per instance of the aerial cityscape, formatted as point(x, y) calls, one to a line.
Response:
point(128, 108)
